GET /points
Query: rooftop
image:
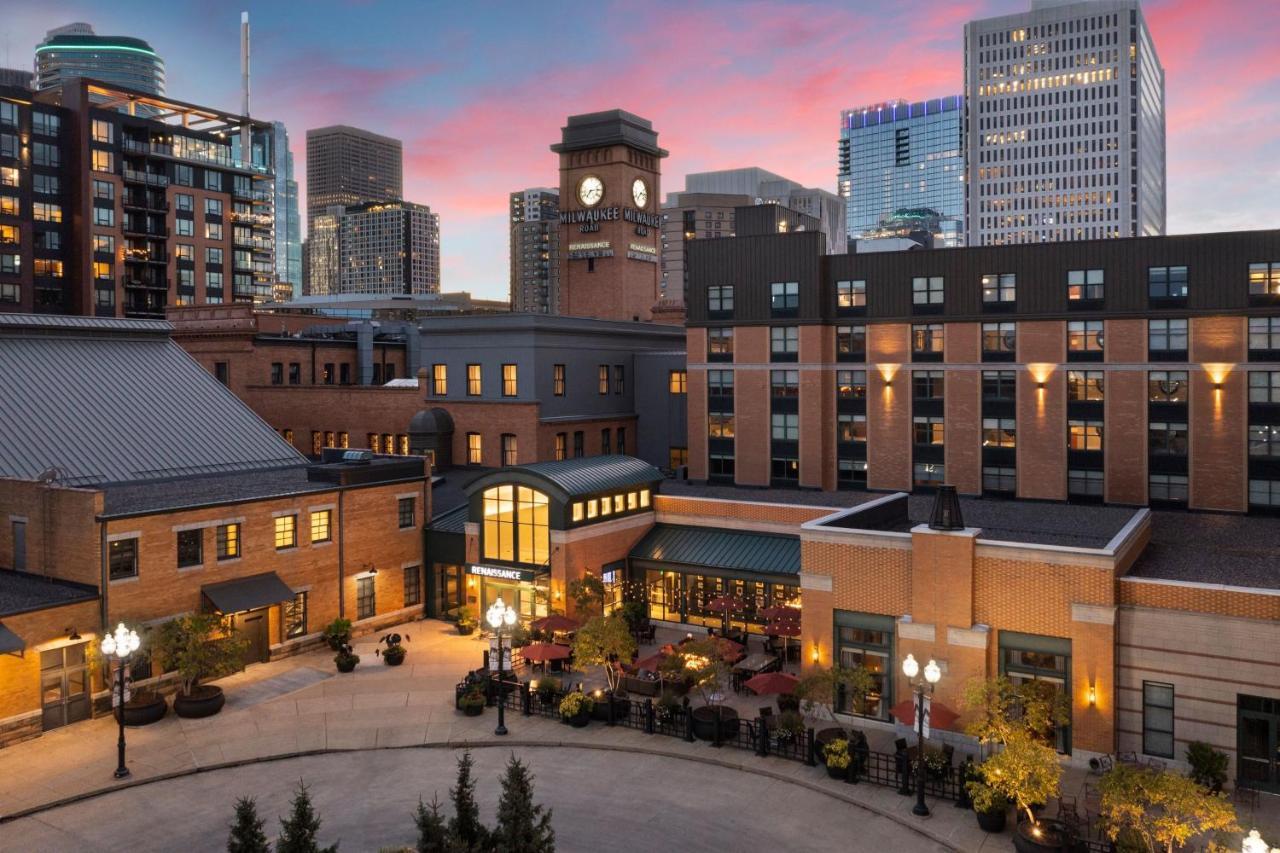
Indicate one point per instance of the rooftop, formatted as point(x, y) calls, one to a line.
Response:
point(1212, 548)
point(21, 592)
point(580, 477)
point(710, 547)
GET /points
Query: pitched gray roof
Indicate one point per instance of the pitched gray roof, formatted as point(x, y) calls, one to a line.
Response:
point(21, 591)
point(591, 474)
point(109, 401)
point(452, 521)
point(717, 548)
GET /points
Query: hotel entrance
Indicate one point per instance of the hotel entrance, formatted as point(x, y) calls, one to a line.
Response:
point(521, 589)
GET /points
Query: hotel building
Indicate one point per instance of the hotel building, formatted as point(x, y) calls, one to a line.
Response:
point(535, 251)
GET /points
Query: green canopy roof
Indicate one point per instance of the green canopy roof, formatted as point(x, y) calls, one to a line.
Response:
point(717, 548)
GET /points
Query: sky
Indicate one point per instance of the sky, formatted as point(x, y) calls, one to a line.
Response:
point(479, 90)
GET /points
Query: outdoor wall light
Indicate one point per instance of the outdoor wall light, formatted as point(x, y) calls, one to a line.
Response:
point(816, 653)
point(1093, 695)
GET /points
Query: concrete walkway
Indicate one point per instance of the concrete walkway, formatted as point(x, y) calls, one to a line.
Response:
point(379, 708)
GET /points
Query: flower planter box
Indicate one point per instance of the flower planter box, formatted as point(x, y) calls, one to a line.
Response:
point(205, 701)
point(578, 720)
point(704, 723)
point(838, 772)
point(993, 821)
point(144, 709)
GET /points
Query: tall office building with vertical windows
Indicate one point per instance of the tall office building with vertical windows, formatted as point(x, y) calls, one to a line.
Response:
point(899, 156)
point(288, 222)
point(391, 248)
point(535, 250)
point(75, 51)
point(1065, 127)
point(348, 166)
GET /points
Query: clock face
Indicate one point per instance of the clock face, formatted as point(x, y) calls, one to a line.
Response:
point(591, 190)
point(639, 192)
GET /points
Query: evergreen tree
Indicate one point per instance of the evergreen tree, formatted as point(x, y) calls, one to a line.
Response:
point(465, 828)
point(298, 833)
point(246, 832)
point(523, 827)
point(433, 833)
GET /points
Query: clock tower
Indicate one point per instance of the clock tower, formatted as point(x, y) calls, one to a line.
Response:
point(610, 222)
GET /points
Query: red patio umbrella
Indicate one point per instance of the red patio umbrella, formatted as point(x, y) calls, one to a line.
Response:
point(729, 650)
point(772, 683)
point(940, 716)
point(727, 604)
point(786, 628)
point(652, 662)
point(555, 623)
point(779, 613)
point(543, 652)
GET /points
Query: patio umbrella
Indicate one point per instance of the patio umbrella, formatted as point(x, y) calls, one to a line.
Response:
point(652, 662)
point(784, 628)
point(543, 652)
point(555, 623)
point(779, 613)
point(729, 650)
point(772, 683)
point(940, 716)
point(726, 604)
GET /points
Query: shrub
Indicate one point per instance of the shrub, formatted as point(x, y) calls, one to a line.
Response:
point(337, 633)
point(836, 753)
point(200, 646)
point(467, 620)
point(522, 825)
point(346, 657)
point(246, 831)
point(576, 703)
point(790, 724)
point(473, 698)
point(1162, 810)
point(601, 642)
point(547, 689)
point(1208, 765)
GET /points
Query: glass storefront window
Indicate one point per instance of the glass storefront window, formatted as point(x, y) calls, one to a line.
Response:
point(1026, 658)
point(866, 640)
point(499, 523)
point(534, 533)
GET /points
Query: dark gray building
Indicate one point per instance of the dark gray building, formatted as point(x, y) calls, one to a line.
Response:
point(347, 166)
point(535, 250)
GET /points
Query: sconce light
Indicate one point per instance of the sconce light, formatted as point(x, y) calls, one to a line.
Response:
point(1217, 386)
point(816, 654)
point(1093, 695)
point(1039, 386)
point(73, 634)
point(888, 382)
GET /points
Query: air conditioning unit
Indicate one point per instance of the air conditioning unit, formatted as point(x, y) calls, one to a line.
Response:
point(357, 457)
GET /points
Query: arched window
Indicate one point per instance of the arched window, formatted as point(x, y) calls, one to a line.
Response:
point(516, 525)
point(534, 531)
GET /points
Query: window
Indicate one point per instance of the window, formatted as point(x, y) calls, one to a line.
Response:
point(784, 296)
point(557, 380)
point(851, 428)
point(1167, 282)
point(851, 294)
point(851, 384)
point(184, 176)
point(1264, 492)
point(222, 372)
point(213, 207)
point(927, 291)
point(45, 154)
point(9, 146)
point(784, 383)
point(1084, 336)
point(1264, 386)
point(184, 227)
point(1000, 337)
point(184, 201)
point(103, 131)
point(474, 455)
point(1167, 335)
point(374, 441)
point(927, 384)
point(622, 441)
point(1085, 386)
point(579, 444)
point(1084, 435)
point(926, 338)
point(851, 340)
point(104, 216)
point(328, 373)
point(603, 379)
point(9, 178)
point(366, 607)
point(509, 381)
point(1264, 440)
point(42, 184)
point(440, 379)
point(286, 533)
point(784, 468)
point(997, 479)
point(103, 161)
point(720, 424)
point(190, 548)
point(1167, 487)
point(721, 466)
point(1157, 719)
point(293, 615)
point(1082, 483)
point(677, 456)
point(720, 383)
point(1166, 438)
point(999, 432)
point(1169, 386)
point(11, 264)
point(213, 231)
point(926, 430)
point(45, 124)
point(508, 442)
point(277, 373)
point(295, 373)
point(606, 436)
point(212, 180)
point(8, 234)
point(1002, 287)
point(720, 342)
point(1264, 279)
point(412, 586)
point(999, 385)
point(562, 445)
point(9, 205)
point(720, 298)
point(619, 378)
point(405, 512)
point(474, 386)
point(1264, 333)
point(104, 190)
point(322, 525)
point(784, 340)
point(122, 559)
point(228, 541)
point(928, 474)
point(678, 382)
point(785, 426)
point(44, 211)
point(46, 268)
point(1084, 285)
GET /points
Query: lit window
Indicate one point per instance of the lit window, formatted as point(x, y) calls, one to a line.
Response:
point(578, 511)
point(1084, 285)
point(1084, 435)
point(474, 385)
point(926, 338)
point(1085, 336)
point(1264, 279)
point(286, 532)
point(103, 161)
point(439, 379)
point(1085, 385)
point(677, 381)
point(228, 541)
point(320, 526)
point(851, 294)
point(509, 384)
point(474, 454)
point(1001, 287)
point(103, 131)
point(999, 432)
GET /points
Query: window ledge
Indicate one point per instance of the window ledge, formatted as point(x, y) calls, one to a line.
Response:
point(118, 581)
point(287, 548)
point(321, 544)
point(195, 568)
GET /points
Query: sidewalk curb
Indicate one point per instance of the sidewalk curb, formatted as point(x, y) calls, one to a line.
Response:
point(484, 744)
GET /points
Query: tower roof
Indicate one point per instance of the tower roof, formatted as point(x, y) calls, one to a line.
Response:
point(611, 127)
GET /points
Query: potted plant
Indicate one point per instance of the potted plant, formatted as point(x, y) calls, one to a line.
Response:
point(935, 763)
point(575, 709)
point(394, 653)
point(346, 659)
point(666, 708)
point(546, 690)
point(701, 664)
point(1158, 811)
point(836, 755)
point(472, 702)
point(989, 805)
point(145, 705)
point(1026, 772)
point(790, 726)
point(337, 634)
point(1208, 766)
point(199, 646)
point(467, 621)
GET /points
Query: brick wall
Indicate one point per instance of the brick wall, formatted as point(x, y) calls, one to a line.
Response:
point(20, 674)
point(888, 407)
point(62, 535)
point(1042, 413)
point(1219, 416)
point(743, 510)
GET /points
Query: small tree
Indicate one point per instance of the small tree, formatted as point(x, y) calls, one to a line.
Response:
point(246, 830)
point(701, 663)
point(200, 646)
point(1026, 771)
point(821, 688)
point(587, 593)
point(465, 829)
point(1003, 708)
point(1164, 810)
point(298, 832)
point(523, 826)
point(433, 832)
point(601, 642)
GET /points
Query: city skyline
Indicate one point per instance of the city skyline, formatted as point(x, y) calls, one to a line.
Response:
point(477, 113)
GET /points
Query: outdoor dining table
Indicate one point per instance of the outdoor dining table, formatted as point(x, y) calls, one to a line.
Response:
point(756, 662)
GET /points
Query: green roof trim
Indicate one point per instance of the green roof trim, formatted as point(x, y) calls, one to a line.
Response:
point(145, 50)
point(577, 478)
point(717, 548)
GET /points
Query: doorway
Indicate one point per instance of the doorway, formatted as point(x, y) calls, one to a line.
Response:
point(252, 626)
point(1258, 742)
point(64, 685)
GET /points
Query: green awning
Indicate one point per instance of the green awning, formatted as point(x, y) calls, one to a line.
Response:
point(717, 548)
point(248, 593)
point(9, 641)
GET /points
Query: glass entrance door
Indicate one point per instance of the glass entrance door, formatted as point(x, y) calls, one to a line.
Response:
point(1258, 742)
point(64, 685)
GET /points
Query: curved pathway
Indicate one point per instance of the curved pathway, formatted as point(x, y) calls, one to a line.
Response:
point(601, 799)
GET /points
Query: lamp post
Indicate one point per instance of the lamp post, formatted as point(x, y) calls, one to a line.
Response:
point(500, 618)
point(910, 668)
point(118, 646)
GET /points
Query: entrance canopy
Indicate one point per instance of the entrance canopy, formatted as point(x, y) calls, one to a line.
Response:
point(248, 593)
point(730, 553)
point(9, 641)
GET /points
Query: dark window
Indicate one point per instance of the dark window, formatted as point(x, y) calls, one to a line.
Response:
point(605, 442)
point(579, 443)
point(784, 296)
point(1167, 335)
point(619, 378)
point(925, 430)
point(784, 340)
point(1165, 438)
point(999, 385)
point(851, 340)
point(508, 449)
point(327, 373)
point(720, 383)
point(1264, 386)
point(720, 465)
point(622, 441)
point(785, 468)
point(1167, 282)
point(1264, 333)
point(720, 298)
point(1084, 483)
point(294, 615)
point(295, 373)
point(997, 479)
point(999, 287)
point(277, 373)
point(1167, 487)
point(1264, 440)
point(365, 605)
point(412, 585)
point(784, 383)
point(122, 560)
point(927, 290)
point(927, 384)
point(222, 372)
point(1000, 337)
point(405, 511)
point(1157, 719)
point(190, 548)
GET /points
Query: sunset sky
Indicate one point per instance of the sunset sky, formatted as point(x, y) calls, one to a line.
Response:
point(478, 90)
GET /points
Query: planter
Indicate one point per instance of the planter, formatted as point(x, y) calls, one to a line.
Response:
point(346, 664)
point(824, 737)
point(466, 630)
point(704, 723)
point(578, 720)
point(205, 701)
point(473, 709)
point(993, 821)
point(144, 709)
point(621, 707)
point(393, 656)
point(838, 772)
point(1053, 837)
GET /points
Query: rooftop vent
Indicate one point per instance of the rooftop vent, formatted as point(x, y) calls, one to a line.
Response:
point(357, 457)
point(946, 510)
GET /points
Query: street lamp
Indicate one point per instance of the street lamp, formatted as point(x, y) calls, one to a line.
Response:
point(500, 617)
point(910, 668)
point(119, 646)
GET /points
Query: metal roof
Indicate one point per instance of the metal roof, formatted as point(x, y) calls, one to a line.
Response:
point(717, 548)
point(9, 641)
point(111, 401)
point(248, 593)
point(579, 477)
point(452, 521)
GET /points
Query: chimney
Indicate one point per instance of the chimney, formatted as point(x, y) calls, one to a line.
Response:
point(946, 510)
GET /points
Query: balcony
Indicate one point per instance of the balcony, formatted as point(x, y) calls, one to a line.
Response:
point(259, 219)
point(145, 229)
point(133, 176)
point(144, 201)
point(192, 155)
point(145, 283)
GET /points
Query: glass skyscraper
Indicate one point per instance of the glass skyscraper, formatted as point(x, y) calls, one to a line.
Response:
point(903, 158)
point(288, 221)
point(74, 51)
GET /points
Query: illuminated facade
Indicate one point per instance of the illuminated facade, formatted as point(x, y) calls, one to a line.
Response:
point(1064, 118)
point(389, 248)
point(74, 51)
point(899, 155)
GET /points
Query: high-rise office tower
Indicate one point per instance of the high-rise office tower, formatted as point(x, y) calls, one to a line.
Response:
point(20, 77)
point(347, 166)
point(899, 156)
point(535, 250)
point(288, 221)
point(323, 267)
point(75, 51)
point(1064, 117)
point(389, 247)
